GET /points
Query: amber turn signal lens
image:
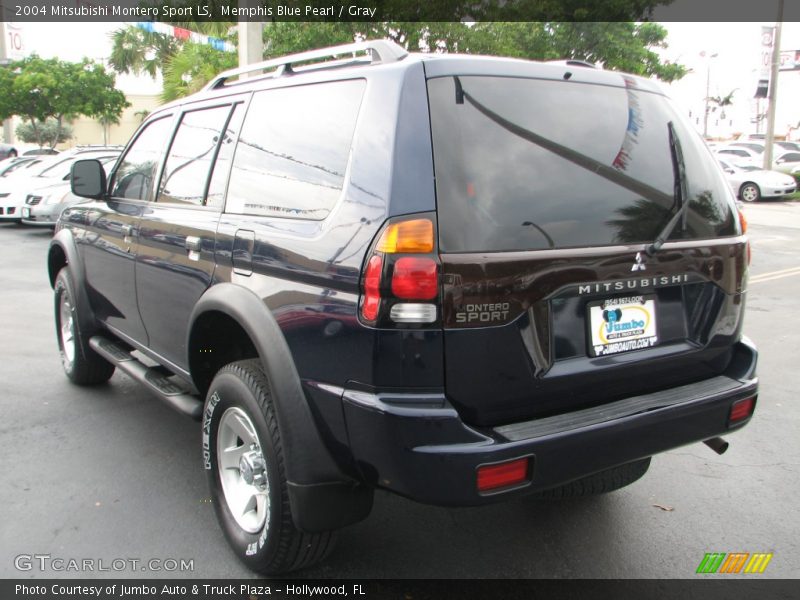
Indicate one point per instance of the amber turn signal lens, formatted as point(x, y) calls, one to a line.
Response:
point(407, 236)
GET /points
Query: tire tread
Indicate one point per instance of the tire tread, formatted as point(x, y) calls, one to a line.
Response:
point(296, 549)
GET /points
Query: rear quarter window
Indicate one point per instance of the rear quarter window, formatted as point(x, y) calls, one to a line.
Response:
point(294, 150)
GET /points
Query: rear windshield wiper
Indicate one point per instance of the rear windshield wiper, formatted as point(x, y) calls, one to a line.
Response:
point(681, 199)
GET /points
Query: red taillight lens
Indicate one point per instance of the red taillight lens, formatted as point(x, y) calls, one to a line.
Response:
point(492, 477)
point(742, 409)
point(372, 291)
point(415, 278)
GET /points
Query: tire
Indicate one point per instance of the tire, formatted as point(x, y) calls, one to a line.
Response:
point(82, 365)
point(750, 192)
point(600, 483)
point(238, 414)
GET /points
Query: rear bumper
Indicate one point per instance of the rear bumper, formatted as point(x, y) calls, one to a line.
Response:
point(417, 446)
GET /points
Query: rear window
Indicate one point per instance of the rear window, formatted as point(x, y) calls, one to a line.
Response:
point(497, 190)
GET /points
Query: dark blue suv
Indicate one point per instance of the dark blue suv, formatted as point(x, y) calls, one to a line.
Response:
point(460, 279)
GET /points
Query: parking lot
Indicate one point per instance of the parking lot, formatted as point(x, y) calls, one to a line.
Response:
point(110, 473)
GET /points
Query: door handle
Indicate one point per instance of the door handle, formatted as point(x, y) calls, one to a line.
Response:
point(192, 243)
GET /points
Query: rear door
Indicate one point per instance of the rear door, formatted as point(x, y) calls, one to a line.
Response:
point(549, 190)
point(177, 232)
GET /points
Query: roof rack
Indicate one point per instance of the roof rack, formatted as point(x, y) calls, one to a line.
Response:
point(574, 63)
point(381, 51)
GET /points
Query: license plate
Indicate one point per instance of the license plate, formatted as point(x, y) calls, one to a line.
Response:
point(26, 213)
point(622, 324)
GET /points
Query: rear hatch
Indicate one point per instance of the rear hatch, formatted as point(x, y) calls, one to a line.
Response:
point(550, 190)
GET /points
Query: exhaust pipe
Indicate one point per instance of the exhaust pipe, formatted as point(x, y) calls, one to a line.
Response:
point(717, 444)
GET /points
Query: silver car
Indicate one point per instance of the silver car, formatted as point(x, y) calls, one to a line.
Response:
point(44, 205)
point(752, 183)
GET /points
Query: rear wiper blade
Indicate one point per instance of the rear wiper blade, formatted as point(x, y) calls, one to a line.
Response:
point(681, 194)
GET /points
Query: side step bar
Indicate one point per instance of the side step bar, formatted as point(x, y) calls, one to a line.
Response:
point(152, 377)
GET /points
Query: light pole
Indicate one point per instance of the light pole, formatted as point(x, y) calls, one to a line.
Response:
point(708, 91)
point(773, 89)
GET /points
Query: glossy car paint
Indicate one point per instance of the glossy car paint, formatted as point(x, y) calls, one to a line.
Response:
point(378, 393)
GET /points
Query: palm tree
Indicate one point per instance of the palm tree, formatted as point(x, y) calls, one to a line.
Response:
point(721, 102)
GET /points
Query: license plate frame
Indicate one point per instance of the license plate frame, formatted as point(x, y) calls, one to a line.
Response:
point(622, 324)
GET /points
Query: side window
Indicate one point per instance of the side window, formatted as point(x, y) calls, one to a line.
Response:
point(219, 177)
point(133, 178)
point(293, 151)
point(191, 154)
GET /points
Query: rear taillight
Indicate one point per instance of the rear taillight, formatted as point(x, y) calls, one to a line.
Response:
point(503, 475)
point(372, 289)
point(415, 278)
point(400, 282)
point(741, 410)
point(743, 227)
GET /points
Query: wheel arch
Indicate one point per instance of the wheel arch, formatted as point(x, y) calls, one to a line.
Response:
point(63, 252)
point(321, 496)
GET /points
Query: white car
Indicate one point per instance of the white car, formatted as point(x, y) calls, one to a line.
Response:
point(14, 190)
point(44, 205)
point(788, 162)
point(739, 155)
point(751, 183)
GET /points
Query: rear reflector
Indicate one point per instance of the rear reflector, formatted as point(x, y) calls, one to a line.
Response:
point(742, 222)
point(492, 477)
point(742, 409)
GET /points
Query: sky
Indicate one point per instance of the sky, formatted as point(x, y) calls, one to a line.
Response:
point(737, 46)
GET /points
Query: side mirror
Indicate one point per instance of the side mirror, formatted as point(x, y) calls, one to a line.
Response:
point(779, 161)
point(730, 171)
point(88, 179)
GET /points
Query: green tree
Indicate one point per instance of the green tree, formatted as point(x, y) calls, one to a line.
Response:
point(38, 89)
point(721, 102)
point(192, 67)
point(624, 46)
point(620, 45)
point(48, 130)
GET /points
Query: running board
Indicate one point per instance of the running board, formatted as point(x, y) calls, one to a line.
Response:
point(153, 378)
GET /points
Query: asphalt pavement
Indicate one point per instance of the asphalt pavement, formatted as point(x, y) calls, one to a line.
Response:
point(110, 474)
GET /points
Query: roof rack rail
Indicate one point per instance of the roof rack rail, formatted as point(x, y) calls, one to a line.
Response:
point(574, 63)
point(381, 51)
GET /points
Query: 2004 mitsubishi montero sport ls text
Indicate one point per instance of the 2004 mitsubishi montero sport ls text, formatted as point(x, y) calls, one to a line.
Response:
point(456, 278)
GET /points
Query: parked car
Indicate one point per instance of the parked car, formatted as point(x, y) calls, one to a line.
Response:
point(8, 151)
point(15, 165)
point(41, 152)
point(739, 155)
point(535, 272)
point(757, 147)
point(14, 190)
point(793, 146)
point(788, 162)
point(44, 205)
point(752, 183)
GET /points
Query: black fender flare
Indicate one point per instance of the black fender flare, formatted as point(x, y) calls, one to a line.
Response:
point(322, 498)
point(64, 242)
